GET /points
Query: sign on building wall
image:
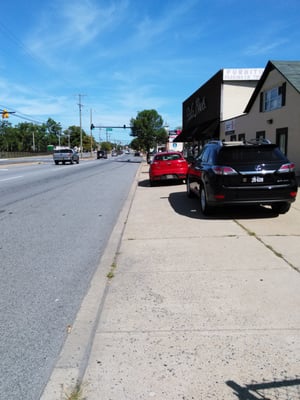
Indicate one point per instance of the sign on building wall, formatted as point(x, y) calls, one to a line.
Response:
point(242, 74)
point(171, 145)
point(229, 127)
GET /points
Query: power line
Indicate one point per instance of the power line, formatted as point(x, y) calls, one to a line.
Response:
point(20, 115)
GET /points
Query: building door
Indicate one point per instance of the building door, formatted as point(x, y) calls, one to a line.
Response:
point(281, 139)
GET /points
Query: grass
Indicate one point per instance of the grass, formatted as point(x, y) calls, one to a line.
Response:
point(111, 273)
point(76, 393)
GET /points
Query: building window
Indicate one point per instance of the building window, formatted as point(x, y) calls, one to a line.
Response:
point(241, 137)
point(281, 139)
point(233, 138)
point(273, 99)
point(260, 135)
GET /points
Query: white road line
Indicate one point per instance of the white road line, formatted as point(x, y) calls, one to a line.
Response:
point(13, 177)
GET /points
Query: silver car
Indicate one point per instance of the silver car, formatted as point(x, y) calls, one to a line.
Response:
point(65, 155)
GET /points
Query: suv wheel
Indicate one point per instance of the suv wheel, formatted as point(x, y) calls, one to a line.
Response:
point(205, 208)
point(281, 208)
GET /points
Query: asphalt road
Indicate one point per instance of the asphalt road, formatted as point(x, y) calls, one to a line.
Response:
point(55, 222)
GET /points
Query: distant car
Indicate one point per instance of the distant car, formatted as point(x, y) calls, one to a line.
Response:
point(114, 153)
point(65, 155)
point(137, 153)
point(101, 154)
point(241, 173)
point(168, 166)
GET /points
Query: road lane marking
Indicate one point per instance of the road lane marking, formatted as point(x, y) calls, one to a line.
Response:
point(13, 177)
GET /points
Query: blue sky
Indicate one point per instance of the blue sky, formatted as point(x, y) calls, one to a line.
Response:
point(125, 56)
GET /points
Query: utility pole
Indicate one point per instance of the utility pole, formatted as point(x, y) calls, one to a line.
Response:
point(91, 132)
point(80, 122)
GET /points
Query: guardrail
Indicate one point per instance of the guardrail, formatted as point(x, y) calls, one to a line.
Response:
point(16, 154)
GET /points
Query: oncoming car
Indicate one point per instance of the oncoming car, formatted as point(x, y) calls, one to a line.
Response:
point(241, 173)
point(168, 166)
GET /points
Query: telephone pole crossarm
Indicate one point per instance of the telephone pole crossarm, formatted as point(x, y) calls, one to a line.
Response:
point(110, 127)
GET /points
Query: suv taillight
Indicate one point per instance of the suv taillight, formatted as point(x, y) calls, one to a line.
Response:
point(223, 170)
point(290, 167)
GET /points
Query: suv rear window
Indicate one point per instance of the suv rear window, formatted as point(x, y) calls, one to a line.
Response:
point(63, 151)
point(250, 154)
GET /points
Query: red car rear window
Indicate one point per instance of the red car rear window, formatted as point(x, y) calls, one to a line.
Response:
point(167, 157)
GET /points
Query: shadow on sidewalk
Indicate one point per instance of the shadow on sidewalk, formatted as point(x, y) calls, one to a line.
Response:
point(191, 208)
point(288, 389)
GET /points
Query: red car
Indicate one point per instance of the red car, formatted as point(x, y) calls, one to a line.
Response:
point(168, 165)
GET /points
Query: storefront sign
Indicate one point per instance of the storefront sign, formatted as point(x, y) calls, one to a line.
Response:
point(196, 107)
point(242, 74)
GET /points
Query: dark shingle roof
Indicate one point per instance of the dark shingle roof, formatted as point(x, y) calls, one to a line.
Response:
point(290, 70)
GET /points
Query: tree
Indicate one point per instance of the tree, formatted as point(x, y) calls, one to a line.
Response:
point(54, 129)
point(106, 146)
point(135, 144)
point(74, 133)
point(147, 127)
point(7, 141)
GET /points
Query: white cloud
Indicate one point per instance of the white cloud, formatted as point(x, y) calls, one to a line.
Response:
point(264, 47)
point(71, 25)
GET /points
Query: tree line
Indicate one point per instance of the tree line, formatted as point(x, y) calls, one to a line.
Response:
point(147, 130)
point(30, 137)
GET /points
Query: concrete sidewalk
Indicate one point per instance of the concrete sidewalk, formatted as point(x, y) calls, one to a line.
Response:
point(198, 308)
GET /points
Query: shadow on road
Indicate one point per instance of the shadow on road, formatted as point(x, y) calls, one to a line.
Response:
point(146, 183)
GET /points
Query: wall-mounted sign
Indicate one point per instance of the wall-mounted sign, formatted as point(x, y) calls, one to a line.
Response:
point(196, 107)
point(230, 125)
point(242, 74)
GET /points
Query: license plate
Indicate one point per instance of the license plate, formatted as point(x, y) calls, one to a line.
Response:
point(257, 179)
point(169, 176)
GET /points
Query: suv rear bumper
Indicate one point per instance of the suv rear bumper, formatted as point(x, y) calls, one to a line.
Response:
point(257, 195)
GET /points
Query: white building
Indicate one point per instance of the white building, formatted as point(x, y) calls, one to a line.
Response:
point(272, 112)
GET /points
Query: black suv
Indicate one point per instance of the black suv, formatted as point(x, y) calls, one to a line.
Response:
point(101, 154)
point(242, 173)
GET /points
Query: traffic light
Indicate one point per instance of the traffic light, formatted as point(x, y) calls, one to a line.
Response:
point(92, 126)
point(124, 126)
point(5, 114)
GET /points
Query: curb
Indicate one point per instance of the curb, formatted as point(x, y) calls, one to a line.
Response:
point(75, 353)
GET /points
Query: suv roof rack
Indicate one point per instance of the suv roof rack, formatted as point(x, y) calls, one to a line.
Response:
point(255, 141)
point(258, 141)
point(233, 143)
